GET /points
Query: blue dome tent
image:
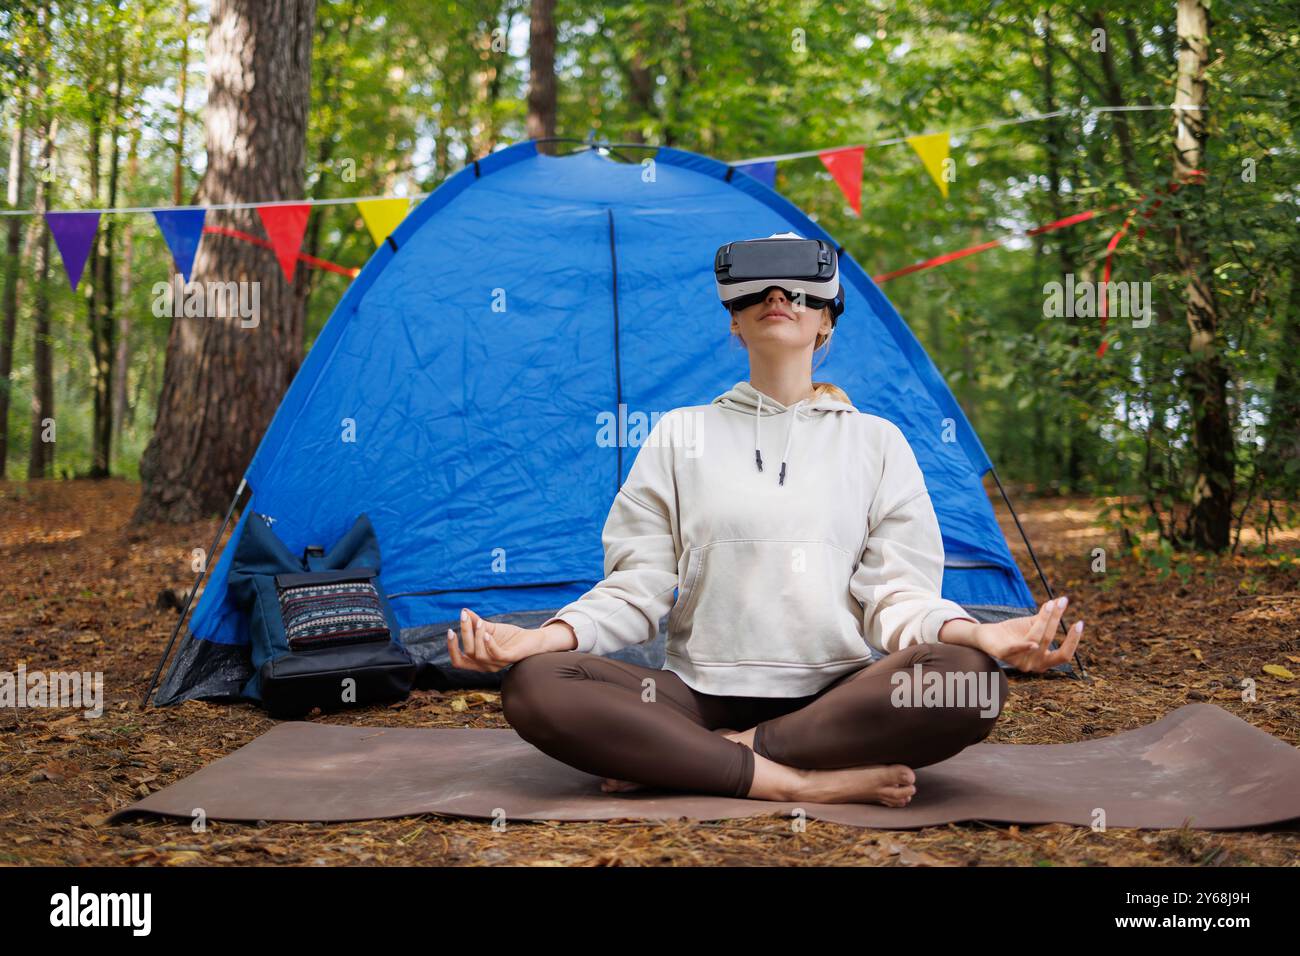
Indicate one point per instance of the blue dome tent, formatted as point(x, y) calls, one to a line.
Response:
point(456, 394)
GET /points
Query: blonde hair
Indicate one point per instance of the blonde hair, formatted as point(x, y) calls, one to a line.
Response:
point(826, 389)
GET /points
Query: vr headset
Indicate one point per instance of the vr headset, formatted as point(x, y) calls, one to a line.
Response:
point(806, 270)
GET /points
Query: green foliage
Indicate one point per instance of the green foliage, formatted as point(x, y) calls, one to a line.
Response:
point(407, 91)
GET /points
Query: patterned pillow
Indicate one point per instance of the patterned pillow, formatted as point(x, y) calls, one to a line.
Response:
point(330, 608)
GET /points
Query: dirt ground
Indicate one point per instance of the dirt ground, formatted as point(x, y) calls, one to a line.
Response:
point(79, 592)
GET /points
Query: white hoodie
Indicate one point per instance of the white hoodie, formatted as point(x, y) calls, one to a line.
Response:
point(785, 569)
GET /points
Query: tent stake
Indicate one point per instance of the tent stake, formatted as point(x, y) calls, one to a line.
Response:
point(1033, 557)
point(243, 483)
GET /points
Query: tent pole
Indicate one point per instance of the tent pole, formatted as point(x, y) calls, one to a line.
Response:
point(594, 144)
point(1033, 557)
point(216, 542)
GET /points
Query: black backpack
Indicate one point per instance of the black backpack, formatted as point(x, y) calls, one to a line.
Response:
point(323, 634)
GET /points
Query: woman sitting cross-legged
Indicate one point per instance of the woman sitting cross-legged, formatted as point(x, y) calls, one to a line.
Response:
point(787, 572)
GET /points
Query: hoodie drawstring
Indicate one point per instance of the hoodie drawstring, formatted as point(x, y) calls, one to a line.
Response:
point(789, 436)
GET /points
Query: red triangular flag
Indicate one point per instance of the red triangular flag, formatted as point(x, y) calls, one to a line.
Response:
point(845, 167)
point(285, 226)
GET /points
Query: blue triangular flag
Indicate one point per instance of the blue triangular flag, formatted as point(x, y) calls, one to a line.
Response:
point(182, 229)
point(765, 173)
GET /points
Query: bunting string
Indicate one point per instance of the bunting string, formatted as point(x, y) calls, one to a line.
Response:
point(995, 124)
point(285, 221)
point(231, 205)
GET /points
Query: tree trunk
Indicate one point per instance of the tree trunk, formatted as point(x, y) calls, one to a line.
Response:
point(13, 240)
point(122, 355)
point(1137, 67)
point(326, 90)
point(41, 458)
point(103, 329)
point(541, 73)
point(1055, 146)
point(1280, 462)
point(178, 171)
point(1209, 524)
point(685, 74)
point(1115, 97)
point(222, 381)
point(488, 88)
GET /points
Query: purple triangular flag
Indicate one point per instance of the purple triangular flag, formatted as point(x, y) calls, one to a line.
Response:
point(182, 229)
point(765, 173)
point(73, 233)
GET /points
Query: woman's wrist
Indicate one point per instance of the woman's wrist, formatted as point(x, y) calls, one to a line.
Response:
point(559, 636)
point(960, 630)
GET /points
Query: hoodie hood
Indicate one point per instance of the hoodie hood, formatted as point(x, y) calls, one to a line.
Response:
point(744, 397)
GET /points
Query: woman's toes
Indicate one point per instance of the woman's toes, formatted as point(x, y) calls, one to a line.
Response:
point(897, 796)
point(900, 775)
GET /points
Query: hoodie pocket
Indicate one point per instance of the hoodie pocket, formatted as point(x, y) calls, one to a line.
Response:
point(775, 601)
point(686, 589)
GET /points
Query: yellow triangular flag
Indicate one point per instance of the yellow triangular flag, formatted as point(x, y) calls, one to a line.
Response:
point(382, 216)
point(933, 150)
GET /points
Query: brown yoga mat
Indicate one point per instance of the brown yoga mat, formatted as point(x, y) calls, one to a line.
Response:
point(1199, 766)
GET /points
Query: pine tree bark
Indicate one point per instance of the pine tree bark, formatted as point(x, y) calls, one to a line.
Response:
point(1280, 462)
point(222, 381)
point(40, 459)
point(102, 298)
point(178, 170)
point(13, 241)
point(1209, 524)
point(122, 354)
point(541, 73)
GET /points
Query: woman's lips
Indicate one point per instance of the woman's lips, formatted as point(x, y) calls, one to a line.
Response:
point(775, 315)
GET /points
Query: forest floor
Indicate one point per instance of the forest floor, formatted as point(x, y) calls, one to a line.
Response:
point(79, 592)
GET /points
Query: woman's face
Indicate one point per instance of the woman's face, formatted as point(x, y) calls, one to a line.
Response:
point(778, 324)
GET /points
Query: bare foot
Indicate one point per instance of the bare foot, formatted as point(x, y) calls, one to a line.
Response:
point(892, 785)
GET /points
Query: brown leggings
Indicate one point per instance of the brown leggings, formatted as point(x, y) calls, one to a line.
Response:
point(598, 715)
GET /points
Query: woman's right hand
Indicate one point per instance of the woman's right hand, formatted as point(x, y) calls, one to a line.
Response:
point(1023, 642)
point(494, 645)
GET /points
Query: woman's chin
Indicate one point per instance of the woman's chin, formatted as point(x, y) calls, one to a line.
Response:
point(784, 340)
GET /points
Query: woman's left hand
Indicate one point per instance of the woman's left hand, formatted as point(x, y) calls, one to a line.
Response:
point(1025, 642)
